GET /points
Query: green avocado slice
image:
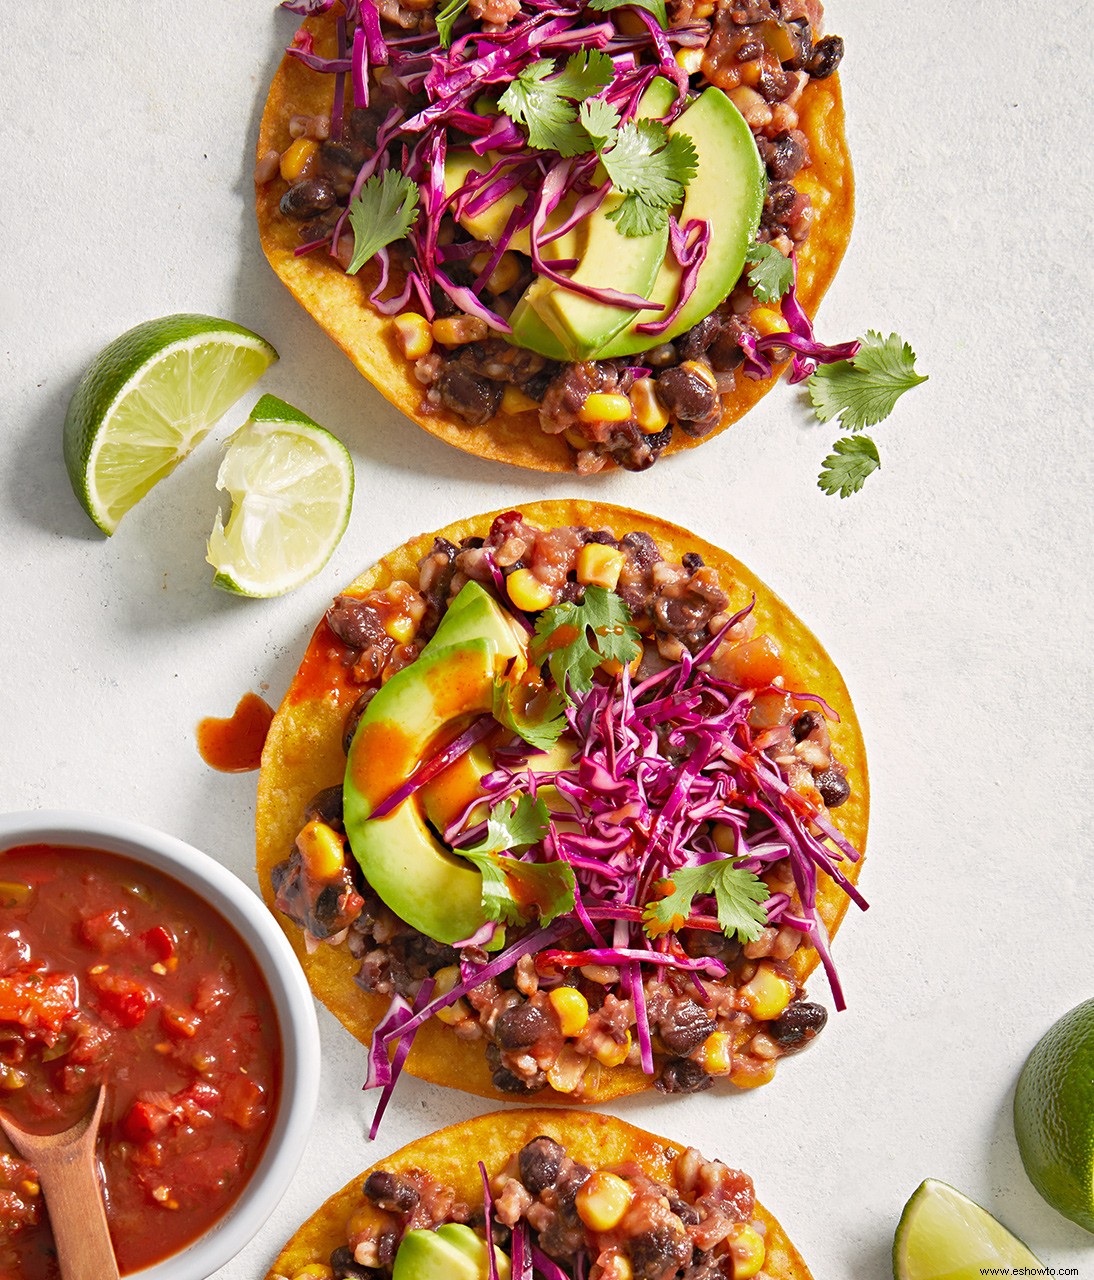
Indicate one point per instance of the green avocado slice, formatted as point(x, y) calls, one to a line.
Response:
point(727, 193)
point(452, 1252)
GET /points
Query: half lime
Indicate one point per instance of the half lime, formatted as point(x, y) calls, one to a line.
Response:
point(291, 485)
point(147, 399)
point(943, 1235)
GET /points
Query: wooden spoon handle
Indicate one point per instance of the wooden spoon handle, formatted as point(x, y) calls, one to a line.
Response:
point(78, 1218)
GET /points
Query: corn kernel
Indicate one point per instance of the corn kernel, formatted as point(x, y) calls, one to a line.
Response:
point(296, 157)
point(766, 995)
point(572, 1009)
point(445, 979)
point(527, 592)
point(322, 850)
point(617, 1267)
point(567, 1070)
point(605, 406)
point(314, 1271)
point(751, 1073)
point(767, 321)
point(454, 331)
point(716, 1055)
point(514, 400)
point(747, 1249)
point(29, 1188)
point(599, 566)
point(504, 275)
point(413, 334)
point(725, 838)
point(603, 1200)
point(650, 414)
point(612, 1054)
point(748, 73)
point(701, 371)
point(690, 60)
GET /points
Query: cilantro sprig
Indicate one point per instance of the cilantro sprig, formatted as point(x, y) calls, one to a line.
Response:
point(847, 467)
point(771, 273)
point(574, 639)
point(656, 7)
point(539, 720)
point(739, 895)
point(384, 211)
point(545, 100)
point(510, 888)
point(651, 167)
point(446, 20)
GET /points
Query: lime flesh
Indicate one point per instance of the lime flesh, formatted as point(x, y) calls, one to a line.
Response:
point(943, 1235)
point(147, 400)
point(291, 486)
point(1054, 1115)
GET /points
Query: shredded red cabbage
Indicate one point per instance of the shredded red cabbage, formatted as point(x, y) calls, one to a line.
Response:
point(488, 1213)
point(473, 734)
point(398, 1018)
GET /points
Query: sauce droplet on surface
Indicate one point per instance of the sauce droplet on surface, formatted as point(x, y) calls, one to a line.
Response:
point(235, 745)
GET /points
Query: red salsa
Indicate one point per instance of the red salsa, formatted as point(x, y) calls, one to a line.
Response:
point(112, 972)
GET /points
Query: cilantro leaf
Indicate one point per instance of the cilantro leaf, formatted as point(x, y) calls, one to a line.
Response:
point(738, 893)
point(562, 639)
point(539, 720)
point(772, 273)
point(656, 7)
point(845, 471)
point(510, 888)
point(543, 100)
point(600, 120)
point(385, 209)
point(863, 390)
point(446, 20)
point(651, 168)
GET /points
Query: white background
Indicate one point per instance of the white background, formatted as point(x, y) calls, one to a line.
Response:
point(953, 591)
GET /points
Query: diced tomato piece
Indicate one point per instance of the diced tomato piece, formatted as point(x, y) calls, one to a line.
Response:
point(106, 932)
point(161, 942)
point(41, 1002)
point(148, 1118)
point(199, 1103)
point(751, 665)
point(124, 999)
point(244, 1102)
point(196, 1176)
point(182, 1023)
point(213, 989)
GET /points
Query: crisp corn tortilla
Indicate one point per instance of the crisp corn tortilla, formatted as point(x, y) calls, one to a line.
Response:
point(339, 303)
point(303, 755)
point(451, 1155)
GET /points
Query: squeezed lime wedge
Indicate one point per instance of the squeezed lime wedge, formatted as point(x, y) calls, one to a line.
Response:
point(943, 1235)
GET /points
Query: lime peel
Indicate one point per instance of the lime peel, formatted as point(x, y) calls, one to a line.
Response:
point(291, 487)
point(943, 1235)
point(147, 400)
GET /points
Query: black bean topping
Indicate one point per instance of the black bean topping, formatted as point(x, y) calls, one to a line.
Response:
point(780, 200)
point(699, 338)
point(833, 786)
point(387, 1246)
point(784, 155)
point(507, 1082)
point(540, 1162)
point(655, 1254)
point(825, 58)
point(805, 724)
point(686, 395)
point(684, 1211)
point(601, 536)
point(643, 549)
point(465, 393)
point(684, 1026)
point(326, 807)
point(307, 199)
point(390, 1192)
point(692, 560)
point(345, 1268)
point(798, 1024)
point(519, 1027)
point(683, 1075)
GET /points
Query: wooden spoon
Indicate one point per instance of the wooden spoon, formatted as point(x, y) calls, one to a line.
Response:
point(65, 1163)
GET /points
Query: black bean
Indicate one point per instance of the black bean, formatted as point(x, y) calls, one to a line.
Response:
point(540, 1162)
point(683, 1075)
point(353, 718)
point(833, 786)
point(643, 549)
point(507, 1082)
point(684, 1026)
point(684, 1211)
point(805, 724)
point(600, 536)
point(465, 393)
point(699, 338)
point(388, 1191)
point(308, 198)
point(345, 1268)
point(387, 1246)
point(519, 1027)
point(687, 396)
point(692, 560)
point(654, 1254)
point(356, 623)
point(825, 58)
point(326, 807)
point(780, 200)
point(784, 155)
point(798, 1025)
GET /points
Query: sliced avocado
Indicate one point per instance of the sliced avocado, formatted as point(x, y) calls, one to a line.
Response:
point(563, 325)
point(490, 223)
point(727, 193)
point(476, 615)
point(452, 1252)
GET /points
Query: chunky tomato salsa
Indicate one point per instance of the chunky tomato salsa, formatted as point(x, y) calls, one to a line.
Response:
point(114, 973)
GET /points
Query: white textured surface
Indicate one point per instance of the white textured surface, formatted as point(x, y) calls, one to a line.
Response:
point(954, 591)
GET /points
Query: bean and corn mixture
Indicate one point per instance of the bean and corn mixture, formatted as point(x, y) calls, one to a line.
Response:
point(762, 54)
point(607, 1223)
point(553, 1020)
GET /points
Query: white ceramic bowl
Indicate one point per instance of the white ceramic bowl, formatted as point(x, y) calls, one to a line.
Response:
point(245, 911)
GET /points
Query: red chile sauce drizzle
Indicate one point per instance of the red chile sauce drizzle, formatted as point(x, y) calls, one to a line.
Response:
point(110, 971)
point(235, 745)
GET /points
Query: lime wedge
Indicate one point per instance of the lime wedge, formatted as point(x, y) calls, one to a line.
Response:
point(291, 485)
point(1054, 1115)
point(147, 399)
point(943, 1235)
